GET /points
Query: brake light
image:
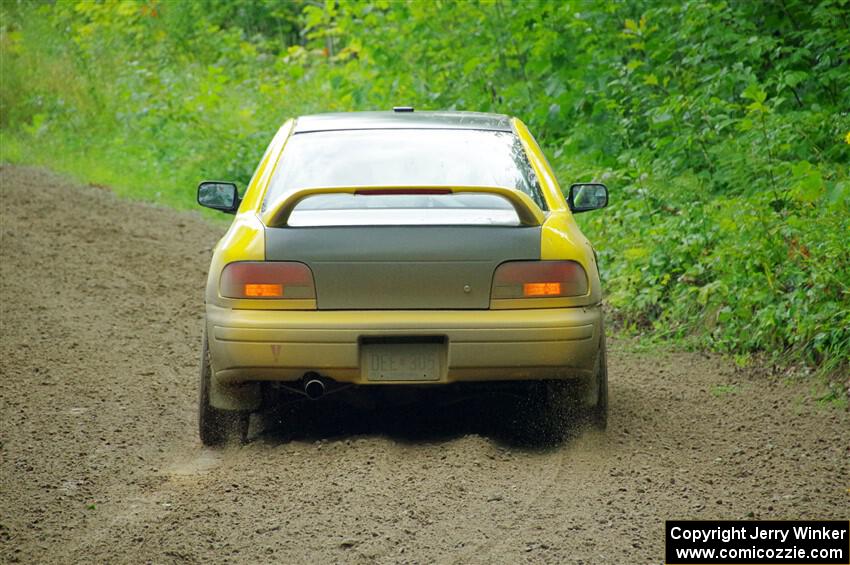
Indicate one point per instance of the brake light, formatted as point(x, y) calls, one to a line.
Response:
point(539, 279)
point(264, 290)
point(542, 289)
point(267, 279)
point(400, 191)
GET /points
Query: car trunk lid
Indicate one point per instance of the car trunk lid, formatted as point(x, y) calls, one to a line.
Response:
point(403, 267)
point(442, 256)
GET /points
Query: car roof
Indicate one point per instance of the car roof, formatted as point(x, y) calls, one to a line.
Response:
point(402, 120)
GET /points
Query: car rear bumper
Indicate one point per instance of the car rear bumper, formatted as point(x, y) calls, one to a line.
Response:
point(481, 345)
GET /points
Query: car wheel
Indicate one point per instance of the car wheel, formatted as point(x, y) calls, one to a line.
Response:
point(599, 413)
point(546, 412)
point(217, 426)
point(551, 407)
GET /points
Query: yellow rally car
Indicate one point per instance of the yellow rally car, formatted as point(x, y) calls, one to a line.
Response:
point(402, 249)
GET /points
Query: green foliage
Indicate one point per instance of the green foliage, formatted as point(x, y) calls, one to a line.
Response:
point(724, 390)
point(721, 128)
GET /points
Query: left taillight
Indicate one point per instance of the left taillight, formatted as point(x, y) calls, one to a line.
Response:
point(267, 280)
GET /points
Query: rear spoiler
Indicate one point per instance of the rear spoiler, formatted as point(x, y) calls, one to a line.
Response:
point(528, 212)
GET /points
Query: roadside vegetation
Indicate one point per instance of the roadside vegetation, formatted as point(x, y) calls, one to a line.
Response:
point(722, 129)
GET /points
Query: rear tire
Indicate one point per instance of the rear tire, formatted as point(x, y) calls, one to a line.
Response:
point(548, 409)
point(217, 426)
point(552, 407)
point(599, 413)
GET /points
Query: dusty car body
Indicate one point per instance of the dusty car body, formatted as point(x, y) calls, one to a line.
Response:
point(400, 249)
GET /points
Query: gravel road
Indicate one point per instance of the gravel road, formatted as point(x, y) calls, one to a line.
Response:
point(100, 461)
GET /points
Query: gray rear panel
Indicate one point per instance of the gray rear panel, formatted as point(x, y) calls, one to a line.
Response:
point(403, 267)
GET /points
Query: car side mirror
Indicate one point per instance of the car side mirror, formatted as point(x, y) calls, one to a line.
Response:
point(219, 195)
point(587, 196)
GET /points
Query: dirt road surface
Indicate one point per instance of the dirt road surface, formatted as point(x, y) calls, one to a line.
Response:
point(100, 461)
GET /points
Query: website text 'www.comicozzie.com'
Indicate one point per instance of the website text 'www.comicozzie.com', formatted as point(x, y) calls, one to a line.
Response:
point(688, 554)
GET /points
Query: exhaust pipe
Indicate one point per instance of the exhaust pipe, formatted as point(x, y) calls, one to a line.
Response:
point(314, 388)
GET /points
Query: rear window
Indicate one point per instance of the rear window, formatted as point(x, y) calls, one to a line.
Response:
point(407, 209)
point(397, 158)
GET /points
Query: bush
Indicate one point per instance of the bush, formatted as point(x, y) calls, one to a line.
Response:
point(722, 129)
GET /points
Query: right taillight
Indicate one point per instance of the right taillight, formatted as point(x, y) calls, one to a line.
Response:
point(539, 279)
point(267, 280)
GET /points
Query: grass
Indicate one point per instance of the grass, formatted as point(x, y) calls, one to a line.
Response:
point(719, 391)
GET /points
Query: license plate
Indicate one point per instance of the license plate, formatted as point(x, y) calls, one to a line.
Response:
point(402, 361)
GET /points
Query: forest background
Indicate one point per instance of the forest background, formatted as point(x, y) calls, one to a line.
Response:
point(721, 128)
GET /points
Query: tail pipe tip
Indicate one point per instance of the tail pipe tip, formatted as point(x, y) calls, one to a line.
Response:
point(314, 388)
